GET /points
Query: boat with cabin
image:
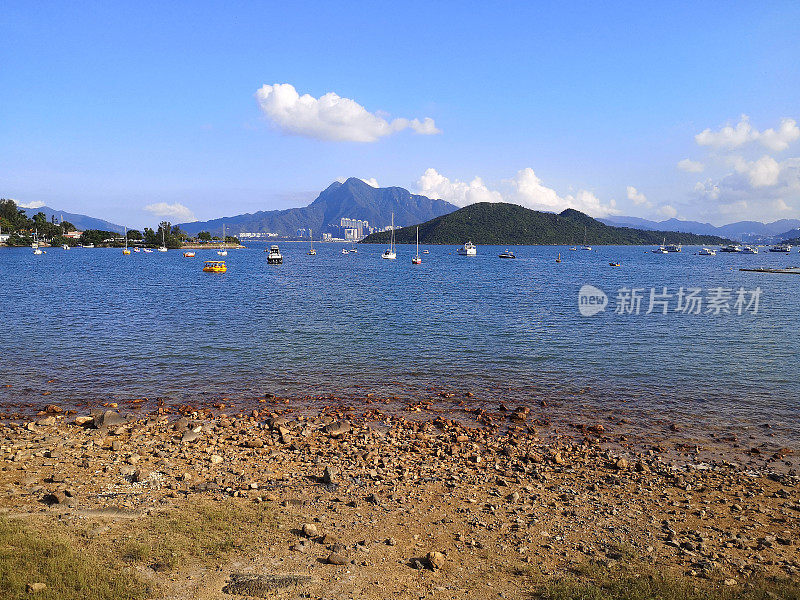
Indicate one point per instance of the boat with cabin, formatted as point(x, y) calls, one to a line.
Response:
point(468, 249)
point(274, 256)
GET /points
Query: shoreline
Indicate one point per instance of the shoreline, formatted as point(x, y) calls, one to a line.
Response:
point(407, 503)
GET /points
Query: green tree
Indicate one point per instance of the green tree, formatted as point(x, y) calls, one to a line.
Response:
point(204, 236)
point(134, 234)
point(97, 237)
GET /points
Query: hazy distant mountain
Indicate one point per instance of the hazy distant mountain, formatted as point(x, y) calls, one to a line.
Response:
point(792, 234)
point(507, 224)
point(733, 230)
point(353, 199)
point(81, 222)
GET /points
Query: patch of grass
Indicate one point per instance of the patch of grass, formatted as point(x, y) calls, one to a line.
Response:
point(633, 582)
point(205, 532)
point(28, 555)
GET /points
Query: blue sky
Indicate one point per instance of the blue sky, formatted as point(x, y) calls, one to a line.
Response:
point(109, 108)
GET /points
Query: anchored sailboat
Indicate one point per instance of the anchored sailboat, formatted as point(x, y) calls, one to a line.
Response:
point(224, 251)
point(417, 260)
point(390, 252)
point(311, 252)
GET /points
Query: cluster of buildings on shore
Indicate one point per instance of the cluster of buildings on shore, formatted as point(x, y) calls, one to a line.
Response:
point(347, 230)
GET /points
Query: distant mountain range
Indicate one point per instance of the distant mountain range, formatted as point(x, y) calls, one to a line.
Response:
point(739, 230)
point(81, 222)
point(352, 199)
point(509, 224)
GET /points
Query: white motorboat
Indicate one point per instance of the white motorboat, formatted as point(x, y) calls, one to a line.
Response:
point(390, 253)
point(274, 257)
point(781, 248)
point(749, 250)
point(468, 249)
point(65, 246)
point(731, 248)
point(707, 252)
point(345, 251)
point(507, 254)
point(674, 247)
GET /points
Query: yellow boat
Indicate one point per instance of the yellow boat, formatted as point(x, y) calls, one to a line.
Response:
point(214, 266)
point(188, 254)
point(126, 251)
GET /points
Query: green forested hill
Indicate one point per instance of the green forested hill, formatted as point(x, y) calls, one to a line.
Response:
point(509, 224)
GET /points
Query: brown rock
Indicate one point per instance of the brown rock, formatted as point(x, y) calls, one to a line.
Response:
point(32, 588)
point(334, 558)
point(435, 560)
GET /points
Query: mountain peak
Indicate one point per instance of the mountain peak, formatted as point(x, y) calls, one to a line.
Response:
point(351, 199)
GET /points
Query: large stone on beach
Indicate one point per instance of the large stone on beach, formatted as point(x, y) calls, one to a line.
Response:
point(107, 418)
point(33, 588)
point(190, 436)
point(310, 530)
point(338, 428)
point(254, 443)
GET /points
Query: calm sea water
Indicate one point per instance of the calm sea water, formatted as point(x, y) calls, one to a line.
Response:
point(92, 323)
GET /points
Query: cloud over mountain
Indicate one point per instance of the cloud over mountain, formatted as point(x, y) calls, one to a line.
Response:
point(330, 117)
point(175, 211)
point(525, 189)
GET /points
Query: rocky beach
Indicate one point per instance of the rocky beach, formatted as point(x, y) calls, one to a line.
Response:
point(382, 498)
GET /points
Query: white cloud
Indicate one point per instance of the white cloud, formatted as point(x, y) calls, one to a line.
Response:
point(330, 117)
point(667, 211)
point(787, 132)
point(176, 211)
point(707, 189)
point(460, 193)
point(743, 133)
point(525, 189)
point(779, 205)
point(34, 204)
point(763, 172)
point(637, 197)
point(690, 166)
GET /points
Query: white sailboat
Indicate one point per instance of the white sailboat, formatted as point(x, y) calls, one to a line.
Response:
point(224, 251)
point(35, 244)
point(585, 247)
point(163, 247)
point(390, 252)
point(125, 251)
point(417, 260)
point(311, 252)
